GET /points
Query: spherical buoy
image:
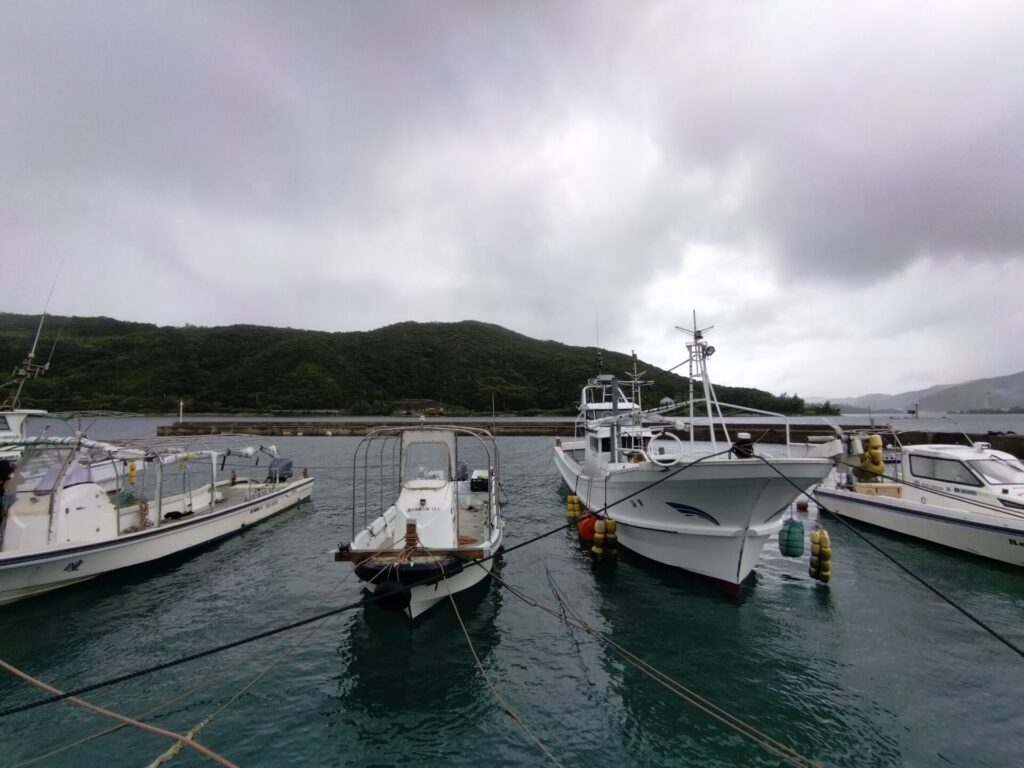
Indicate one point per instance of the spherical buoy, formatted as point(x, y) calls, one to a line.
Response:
point(586, 527)
point(791, 538)
point(801, 505)
point(610, 526)
point(392, 596)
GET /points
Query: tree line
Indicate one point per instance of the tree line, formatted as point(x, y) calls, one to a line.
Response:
point(467, 367)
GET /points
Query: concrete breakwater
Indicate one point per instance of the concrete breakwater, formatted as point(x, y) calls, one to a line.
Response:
point(563, 427)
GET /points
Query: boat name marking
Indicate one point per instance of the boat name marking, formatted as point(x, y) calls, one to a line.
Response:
point(74, 565)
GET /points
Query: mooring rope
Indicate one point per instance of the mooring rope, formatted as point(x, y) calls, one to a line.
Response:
point(174, 749)
point(115, 716)
point(509, 710)
point(690, 696)
point(207, 682)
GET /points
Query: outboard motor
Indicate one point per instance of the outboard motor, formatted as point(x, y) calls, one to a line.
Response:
point(743, 448)
point(279, 470)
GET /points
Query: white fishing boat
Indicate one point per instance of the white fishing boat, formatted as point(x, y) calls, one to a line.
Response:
point(58, 526)
point(707, 508)
point(426, 526)
point(969, 498)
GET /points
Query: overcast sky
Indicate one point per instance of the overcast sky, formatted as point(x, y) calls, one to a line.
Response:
point(837, 187)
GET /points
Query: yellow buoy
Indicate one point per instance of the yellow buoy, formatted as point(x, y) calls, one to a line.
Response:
point(820, 565)
point(611, 543)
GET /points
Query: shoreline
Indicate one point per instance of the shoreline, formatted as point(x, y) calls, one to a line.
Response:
point(524, 426)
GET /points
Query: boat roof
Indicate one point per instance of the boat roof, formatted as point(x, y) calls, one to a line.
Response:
point(962, 452)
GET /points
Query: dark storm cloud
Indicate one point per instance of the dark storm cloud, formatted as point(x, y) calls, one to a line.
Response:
point(552, 168)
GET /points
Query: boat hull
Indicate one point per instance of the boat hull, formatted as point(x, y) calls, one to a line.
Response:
point(424, 596)
point(26, 574)
point(987, 535)
point(710, 518)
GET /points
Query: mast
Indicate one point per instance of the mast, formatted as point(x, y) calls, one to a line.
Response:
point(29, 369)
point(699, 351)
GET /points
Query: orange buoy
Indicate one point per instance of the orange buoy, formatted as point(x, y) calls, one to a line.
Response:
point(586, 527)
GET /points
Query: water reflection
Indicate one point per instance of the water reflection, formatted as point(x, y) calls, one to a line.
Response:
point(765, 660)
point(409, 672)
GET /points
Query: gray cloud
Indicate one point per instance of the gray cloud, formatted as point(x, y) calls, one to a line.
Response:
point(779, 167)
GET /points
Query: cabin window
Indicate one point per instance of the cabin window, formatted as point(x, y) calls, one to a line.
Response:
point(606, 445)
point(426, 461)
point(944, 470)
point(593, 444)
point(4, 425)
point(998, 472)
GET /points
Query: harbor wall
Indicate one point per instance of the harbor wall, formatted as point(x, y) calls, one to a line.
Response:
point(561, 427)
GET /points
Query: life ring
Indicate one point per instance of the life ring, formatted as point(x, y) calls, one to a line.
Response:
point(674, 459)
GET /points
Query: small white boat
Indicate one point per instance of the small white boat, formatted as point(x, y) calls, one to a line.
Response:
point(970, 498)
point(427, 526)
point(707, 509)
point(58, 526)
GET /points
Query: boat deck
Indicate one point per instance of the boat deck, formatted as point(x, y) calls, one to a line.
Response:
point(472, 528)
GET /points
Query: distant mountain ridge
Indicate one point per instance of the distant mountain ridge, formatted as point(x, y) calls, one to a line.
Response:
point(997, 393)
point(468, 366)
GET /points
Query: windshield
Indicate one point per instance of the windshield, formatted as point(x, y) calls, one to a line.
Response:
point(996, 472)
point(426, 461)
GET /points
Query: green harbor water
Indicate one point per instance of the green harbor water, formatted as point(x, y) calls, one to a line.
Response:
point(869, 670)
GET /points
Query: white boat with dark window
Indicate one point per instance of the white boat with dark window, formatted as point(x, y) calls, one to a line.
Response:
point(427, 527)
point(970, 498)
point(58, 526)
point(707, 507)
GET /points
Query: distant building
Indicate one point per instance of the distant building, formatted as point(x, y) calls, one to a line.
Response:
point(667, 401)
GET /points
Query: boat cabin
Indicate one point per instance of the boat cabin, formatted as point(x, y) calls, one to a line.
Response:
point(602, 396)
point(936, 472)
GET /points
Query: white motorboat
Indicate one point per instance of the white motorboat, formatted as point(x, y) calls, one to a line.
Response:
point(58, 526)
point(427, 526)
point(705, 508)
point(970, 498)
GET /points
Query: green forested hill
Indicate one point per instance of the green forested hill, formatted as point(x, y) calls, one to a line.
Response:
point(105, 364)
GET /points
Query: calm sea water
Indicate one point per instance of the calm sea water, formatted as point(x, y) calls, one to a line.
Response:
point(869, 670)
